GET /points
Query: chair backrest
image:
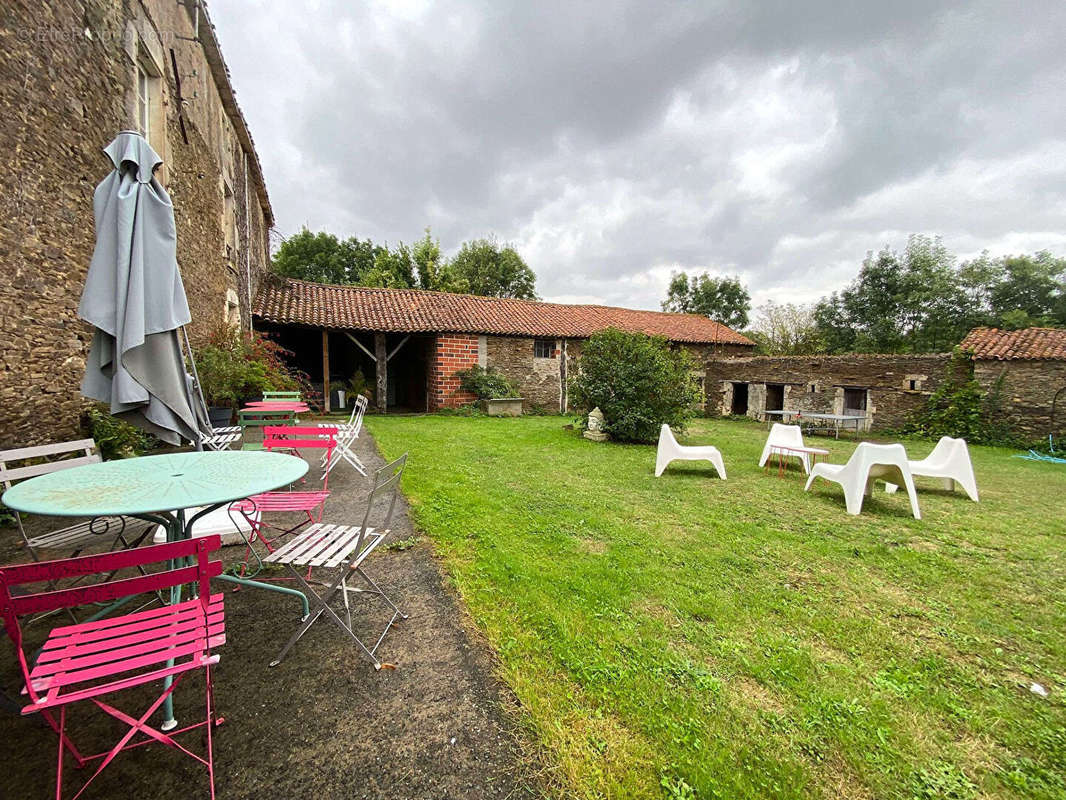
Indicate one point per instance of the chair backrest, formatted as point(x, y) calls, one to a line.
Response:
point(868, 453)
point(386, 486)
point(291, 396)
point(946, 451)
point(355, 421)
point(20, 595)
point(260, 418)
point(301, 437)
point(785, 435)
point(9, 474)
point(667, 436)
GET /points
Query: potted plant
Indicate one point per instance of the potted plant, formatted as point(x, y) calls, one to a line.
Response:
point(498, 396)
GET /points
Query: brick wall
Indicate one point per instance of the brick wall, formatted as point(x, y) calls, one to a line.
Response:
point(816, 383)
point(64, 94)
point(1027, 393)
point(451, 353)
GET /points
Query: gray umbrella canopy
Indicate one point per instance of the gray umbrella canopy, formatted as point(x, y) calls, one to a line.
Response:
point(135, 299)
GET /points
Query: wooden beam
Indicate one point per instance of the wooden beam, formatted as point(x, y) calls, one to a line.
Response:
point(361, 346)
point(396, 349)
point(382, 364)
point(325, 370)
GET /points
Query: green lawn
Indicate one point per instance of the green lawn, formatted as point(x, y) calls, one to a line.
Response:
point(688, 637)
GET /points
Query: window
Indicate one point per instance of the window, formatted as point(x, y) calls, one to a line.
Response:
point(544, 348)
point(144, 102)
point(812, 388)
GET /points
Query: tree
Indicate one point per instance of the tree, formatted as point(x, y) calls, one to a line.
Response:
point(725, 300)
point(785, 330)
point(637, 381)
point(323, 258)
point(393, 269)
point(485, 267)
point(1033, 285)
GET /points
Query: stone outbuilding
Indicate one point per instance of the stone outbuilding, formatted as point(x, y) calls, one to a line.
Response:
point(72, 75)
point(409, 344)
point(1027, 369)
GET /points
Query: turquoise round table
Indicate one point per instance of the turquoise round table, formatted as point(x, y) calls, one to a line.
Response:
point(159, 489)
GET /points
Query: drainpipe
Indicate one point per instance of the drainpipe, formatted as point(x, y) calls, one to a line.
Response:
point(247, 242)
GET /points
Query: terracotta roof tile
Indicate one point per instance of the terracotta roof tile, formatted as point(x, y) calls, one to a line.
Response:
point(416, 311)
point(1030, 343)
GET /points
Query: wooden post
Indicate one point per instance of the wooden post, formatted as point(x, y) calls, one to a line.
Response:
point(382, 365)
point(325, 370)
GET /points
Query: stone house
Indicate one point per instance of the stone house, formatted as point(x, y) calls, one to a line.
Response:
point(72, 75)
point(1027, 369)
point(409, 344)
point(885, 389)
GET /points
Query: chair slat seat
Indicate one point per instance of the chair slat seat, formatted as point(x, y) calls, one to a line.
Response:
point(79, 654)
point(327, 546)
point(94, 530)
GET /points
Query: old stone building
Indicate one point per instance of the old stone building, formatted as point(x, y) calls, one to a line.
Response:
point(73, 73)
point(1027, 370)
point(410, 344)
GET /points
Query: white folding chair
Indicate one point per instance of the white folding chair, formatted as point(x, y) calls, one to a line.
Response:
point(222, 438)
point(343, 548)
point(949, 461)
point(785, 436)
point(347, 433)
point(868, 463)
point(669, 450)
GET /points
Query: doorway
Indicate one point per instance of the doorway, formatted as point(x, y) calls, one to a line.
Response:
point(740, 400)
point(775, 397)
point(854, 402)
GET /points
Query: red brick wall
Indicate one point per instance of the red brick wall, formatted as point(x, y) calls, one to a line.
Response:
point(451, 353)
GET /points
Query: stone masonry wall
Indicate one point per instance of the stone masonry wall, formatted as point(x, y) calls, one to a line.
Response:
point(451, 353)
point(536, 378)
point(816, 383)
point(1028, 394)
point(66, 89)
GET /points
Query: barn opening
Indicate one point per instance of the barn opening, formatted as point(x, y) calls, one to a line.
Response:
point(740, 399)
point(775, 397)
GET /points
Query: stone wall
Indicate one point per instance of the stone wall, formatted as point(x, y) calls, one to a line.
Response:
point(66, 88)
point(538, 379)
point(1028, 393)
point(451, 353)
point(895, 387)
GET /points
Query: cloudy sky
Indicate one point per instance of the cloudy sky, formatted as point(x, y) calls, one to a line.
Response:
point(614, 142)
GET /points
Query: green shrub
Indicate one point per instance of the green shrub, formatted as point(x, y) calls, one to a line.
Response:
point(486, 384)
point(115, 437)
point(962, 409)
point(637, 381)
point(235, 365)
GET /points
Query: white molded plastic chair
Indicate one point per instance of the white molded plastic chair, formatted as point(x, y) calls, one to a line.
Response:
point(669, 450)
point(868, 463)
point(785, 436)
point(949, 461)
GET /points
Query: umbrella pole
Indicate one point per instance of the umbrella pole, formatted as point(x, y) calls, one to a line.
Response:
point(196, 379)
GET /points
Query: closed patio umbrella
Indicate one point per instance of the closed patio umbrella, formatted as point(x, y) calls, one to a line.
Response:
point(136, 302)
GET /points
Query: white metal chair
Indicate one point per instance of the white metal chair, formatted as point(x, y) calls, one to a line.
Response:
point(343, 548)
point(868, 463)
point(347, 433)
point(222, 438)
point(786, 436)
point(669, 450)
point(949, 461)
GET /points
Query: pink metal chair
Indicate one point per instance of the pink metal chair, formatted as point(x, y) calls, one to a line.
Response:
point(291, 439)
point(90, 660)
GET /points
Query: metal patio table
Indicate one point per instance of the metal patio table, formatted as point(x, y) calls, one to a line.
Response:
point(159, 489)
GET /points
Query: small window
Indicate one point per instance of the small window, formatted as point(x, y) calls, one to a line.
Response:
point(544, 348)
point(913, 385)
point(144, 102)
point(812, 387)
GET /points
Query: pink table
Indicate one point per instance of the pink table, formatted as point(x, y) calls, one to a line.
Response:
point(277, 405)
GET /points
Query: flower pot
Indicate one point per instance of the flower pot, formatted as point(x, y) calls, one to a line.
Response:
point(220, 416)
point(502, 407)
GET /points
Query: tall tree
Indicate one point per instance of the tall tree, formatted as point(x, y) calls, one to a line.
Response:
point(725, 300)
point(786, 329)
point(1033, 285)
point(323, 258)
point(486, 267)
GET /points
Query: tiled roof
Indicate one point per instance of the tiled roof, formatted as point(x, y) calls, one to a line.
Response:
point(1030, 343)
point(415, 311)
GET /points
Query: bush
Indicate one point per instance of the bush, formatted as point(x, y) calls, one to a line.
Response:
point(235, 365)
point(637, 381)
point(486, 384)
point(962, 409)
point(115, 437)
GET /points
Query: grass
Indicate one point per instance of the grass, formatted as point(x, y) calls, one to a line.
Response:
point(692, 638)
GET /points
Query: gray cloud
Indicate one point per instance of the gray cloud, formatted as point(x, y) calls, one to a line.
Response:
point(615, 142)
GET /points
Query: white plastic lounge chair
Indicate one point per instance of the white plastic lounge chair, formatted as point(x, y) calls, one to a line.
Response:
point(949, 461)
point(785, 436)
point(669, 450)
point(868, 463)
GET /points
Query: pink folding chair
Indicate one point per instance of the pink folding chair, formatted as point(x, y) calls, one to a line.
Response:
point(88, 661)
point(290, 439)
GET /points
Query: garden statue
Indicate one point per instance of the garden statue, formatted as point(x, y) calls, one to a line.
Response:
point(595, 430)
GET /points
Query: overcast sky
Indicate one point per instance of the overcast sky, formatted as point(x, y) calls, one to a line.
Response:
point(614, 142)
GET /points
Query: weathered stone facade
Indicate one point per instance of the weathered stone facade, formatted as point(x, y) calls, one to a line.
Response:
point(68, 83)
point(1032, 394)
point(888, 389)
